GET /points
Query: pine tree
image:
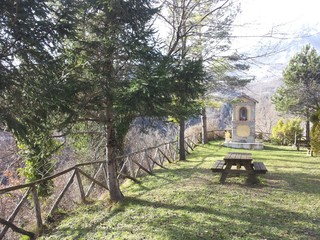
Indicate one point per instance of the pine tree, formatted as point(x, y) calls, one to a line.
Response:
point(114, 57)
point(300, 94)
point(32, 35)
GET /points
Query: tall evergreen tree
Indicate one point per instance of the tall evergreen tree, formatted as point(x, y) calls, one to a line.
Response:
point(113, 55)
point(32, 34)
point(300, 94)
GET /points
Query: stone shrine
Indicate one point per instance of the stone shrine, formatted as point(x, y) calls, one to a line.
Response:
point(243, 124)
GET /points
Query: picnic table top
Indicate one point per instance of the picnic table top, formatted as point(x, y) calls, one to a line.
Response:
point(238, 156)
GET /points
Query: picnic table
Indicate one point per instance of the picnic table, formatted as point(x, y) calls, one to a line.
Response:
point(242, 162)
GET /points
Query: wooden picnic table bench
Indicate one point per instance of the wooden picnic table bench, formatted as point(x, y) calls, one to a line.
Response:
point(251, 169)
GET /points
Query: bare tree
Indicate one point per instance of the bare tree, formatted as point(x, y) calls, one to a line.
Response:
point(197, 30)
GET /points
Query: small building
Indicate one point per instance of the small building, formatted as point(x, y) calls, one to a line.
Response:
point(243, 124)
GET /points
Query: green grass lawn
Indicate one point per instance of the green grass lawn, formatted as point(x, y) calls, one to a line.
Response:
point(186, 201)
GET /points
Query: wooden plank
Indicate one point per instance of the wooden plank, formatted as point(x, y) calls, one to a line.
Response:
point(127, 176)
point(145, 157)
point(37, 206)
point(156, 154)
point(237, 172)
point(123, 166)
point(9, 189)
point(173, 151)
point(238, 156)
point(194, 144)
point(173, 148)
point(147, 149)
point(92, 182)
point(15, 212)
point(92, 179)
point(59, 198)
point(155, 162)
point(17, 229)
point(165, 155)
point(259, 168)
point(142, 167)
point(131, 167)
point(105, 174)
point(189, 145)
point(218, 166)
point(82, 195)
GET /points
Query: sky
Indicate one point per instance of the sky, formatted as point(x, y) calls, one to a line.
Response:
point(279, 28)
point(289, 21)
point(280, 11)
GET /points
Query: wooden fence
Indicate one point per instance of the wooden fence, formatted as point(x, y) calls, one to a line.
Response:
point(134, 164)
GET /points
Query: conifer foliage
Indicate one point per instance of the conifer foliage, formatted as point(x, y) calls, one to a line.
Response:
point(65, 64)
point(31, 38)
point(300, 94)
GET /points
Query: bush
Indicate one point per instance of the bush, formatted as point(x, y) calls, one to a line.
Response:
point(284, 132)
point(315, 133)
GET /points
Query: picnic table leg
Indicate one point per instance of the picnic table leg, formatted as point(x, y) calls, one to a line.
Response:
point(252, 178)
point(225, 173)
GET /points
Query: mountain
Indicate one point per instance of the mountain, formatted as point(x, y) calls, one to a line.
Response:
point(274, 55)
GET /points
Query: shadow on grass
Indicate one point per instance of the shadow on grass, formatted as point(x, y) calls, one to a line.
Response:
point(284, 159)
point(76, 228)
point(175, 175)
point(296, 182)
point(235, 220)
point(227, 222)
point(278, 148)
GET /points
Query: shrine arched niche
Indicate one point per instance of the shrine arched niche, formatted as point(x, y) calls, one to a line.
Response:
point(243, 114)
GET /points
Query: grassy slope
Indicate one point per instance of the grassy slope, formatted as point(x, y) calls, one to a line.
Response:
point(186, 201)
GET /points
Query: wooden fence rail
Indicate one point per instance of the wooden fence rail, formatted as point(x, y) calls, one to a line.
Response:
point(134, 164)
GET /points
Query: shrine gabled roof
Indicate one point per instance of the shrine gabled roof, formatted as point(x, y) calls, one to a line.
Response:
point(245, 96)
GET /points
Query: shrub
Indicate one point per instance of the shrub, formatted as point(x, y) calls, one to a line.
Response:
point(284, 132)
point(315, 133)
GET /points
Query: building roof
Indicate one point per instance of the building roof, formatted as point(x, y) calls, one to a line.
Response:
point(245, 96)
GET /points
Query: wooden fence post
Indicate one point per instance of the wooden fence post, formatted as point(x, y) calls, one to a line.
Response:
point(105, 173)
point(174, 150)
point(131, 167)
point(37, 206)
point(82, 195)
point(145, 157)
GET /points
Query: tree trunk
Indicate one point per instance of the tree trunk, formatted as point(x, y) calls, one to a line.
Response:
point(308, 127)
point(308, 131)
point(113, 183)
point(204, 126)
point(182, 151)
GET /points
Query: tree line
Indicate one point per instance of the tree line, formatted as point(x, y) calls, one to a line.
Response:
point(98, 65)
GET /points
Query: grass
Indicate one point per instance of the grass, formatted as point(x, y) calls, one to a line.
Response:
point(186, 201)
